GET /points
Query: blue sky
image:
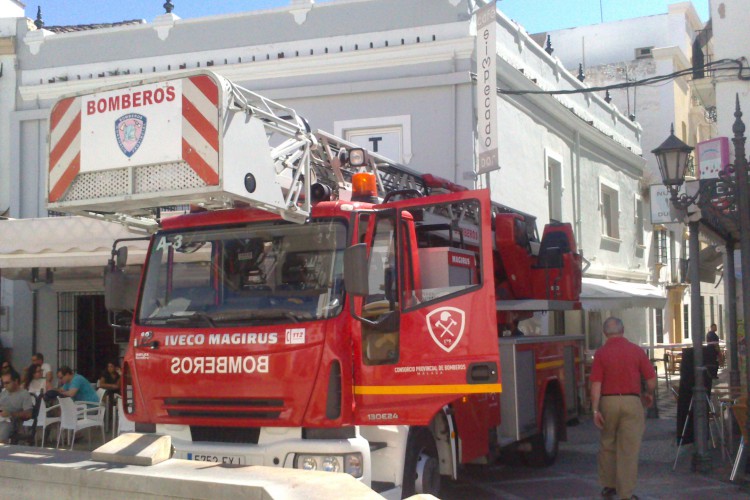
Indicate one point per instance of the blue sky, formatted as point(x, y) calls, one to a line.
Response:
point(535, 15)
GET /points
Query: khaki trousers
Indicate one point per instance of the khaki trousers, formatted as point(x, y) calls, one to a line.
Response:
point(624, 423)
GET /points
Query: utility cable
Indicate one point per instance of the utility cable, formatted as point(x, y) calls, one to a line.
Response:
point(740, 65)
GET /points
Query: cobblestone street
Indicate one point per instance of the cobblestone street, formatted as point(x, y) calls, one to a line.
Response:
point(573, 476)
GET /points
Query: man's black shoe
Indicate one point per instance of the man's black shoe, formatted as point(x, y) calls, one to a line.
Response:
point(609, 493)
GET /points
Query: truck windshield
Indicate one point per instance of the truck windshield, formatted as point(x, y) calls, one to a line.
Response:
point(259, 273)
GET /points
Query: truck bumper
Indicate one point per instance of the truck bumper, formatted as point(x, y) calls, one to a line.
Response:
point(276, 447)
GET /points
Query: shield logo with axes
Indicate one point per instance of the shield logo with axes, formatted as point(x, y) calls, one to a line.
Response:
point(446, 326)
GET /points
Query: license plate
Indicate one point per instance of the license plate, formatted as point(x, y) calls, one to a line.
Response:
point(219, 459)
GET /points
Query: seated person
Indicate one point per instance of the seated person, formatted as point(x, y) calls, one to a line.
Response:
point(298, 289)
point(34, 381)
point(294, 273)
point(515, 331)
point(16, 405)
point(6, 367)
point(77, 387)
point(38, 359)
point(110, 379)
point(51, 394)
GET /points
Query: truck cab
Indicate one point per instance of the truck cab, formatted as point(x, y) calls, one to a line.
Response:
point(246, 348)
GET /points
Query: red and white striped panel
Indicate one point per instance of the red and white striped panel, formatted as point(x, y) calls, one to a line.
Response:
point(200, 127)
point(65, 146)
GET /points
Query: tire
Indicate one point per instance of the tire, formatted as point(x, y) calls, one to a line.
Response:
point(545, 445)
point(421, 465)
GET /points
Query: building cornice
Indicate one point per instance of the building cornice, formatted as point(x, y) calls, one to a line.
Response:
point(387, 57)
point(587, 113)
point(406, 55)
point(528, 67)
point(678, 57)
point(570, 119)
point(687, 9)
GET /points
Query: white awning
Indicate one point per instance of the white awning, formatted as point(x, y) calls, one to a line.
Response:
point(711, 261)
point(62, 242)
point(599, 294)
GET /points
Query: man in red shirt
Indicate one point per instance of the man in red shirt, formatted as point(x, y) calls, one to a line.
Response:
point(618, 404)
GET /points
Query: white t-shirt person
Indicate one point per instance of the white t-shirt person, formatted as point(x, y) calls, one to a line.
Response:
point(38, 359)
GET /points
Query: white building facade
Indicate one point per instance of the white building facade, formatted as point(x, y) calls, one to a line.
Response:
point(633, 50)
point(730, 19)
point(402, 84)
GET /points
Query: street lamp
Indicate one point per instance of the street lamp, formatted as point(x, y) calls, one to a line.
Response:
point(673, 156)
point(742, 196)
point(727, 198)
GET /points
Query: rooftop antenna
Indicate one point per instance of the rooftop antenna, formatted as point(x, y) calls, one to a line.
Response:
point(601, 11)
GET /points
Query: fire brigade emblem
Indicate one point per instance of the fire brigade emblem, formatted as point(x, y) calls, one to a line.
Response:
point(130, 130)
point(446, 326)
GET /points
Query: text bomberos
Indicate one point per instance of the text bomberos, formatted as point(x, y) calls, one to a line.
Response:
point(219, 364)
point(136, 99)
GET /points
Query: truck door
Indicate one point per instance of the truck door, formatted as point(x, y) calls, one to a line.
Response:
point(427, 331)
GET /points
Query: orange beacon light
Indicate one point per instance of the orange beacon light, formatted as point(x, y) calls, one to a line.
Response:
point(364, 187)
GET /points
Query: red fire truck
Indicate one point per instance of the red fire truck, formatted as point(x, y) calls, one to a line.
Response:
point(318, 306)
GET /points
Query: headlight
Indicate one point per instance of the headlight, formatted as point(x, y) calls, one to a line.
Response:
point(352, 463)
point(331, 464)
point(309, 463)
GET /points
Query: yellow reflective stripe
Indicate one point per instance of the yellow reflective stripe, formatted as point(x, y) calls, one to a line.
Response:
point(549, 364)
point(427, 389)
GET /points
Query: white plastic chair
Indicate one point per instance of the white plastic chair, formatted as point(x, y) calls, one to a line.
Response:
point(91, 408)
point(74, 418)
point(123, 424)
point(43, 420)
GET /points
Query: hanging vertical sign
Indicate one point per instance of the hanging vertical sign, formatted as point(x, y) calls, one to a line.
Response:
point(487, 159)
point(712, 156)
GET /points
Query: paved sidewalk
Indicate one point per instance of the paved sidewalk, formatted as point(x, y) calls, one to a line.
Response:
point(574, 474)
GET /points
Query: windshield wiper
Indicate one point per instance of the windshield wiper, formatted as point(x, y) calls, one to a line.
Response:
point(188, 316)
point(260, 314)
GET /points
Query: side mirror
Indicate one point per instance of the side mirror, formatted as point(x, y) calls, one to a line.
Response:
point(120, 290)
point(121, 259)
point(355, 270)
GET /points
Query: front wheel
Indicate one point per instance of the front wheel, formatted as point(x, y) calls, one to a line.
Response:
point(421, 467)
point(544, 446)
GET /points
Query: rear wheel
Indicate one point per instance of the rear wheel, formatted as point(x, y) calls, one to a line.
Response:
point(421, 467)
point(544, 446)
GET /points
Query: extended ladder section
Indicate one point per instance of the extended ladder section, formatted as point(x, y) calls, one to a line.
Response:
point(125, 153)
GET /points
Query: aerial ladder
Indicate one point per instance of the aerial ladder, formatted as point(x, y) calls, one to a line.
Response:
point(287, 163)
